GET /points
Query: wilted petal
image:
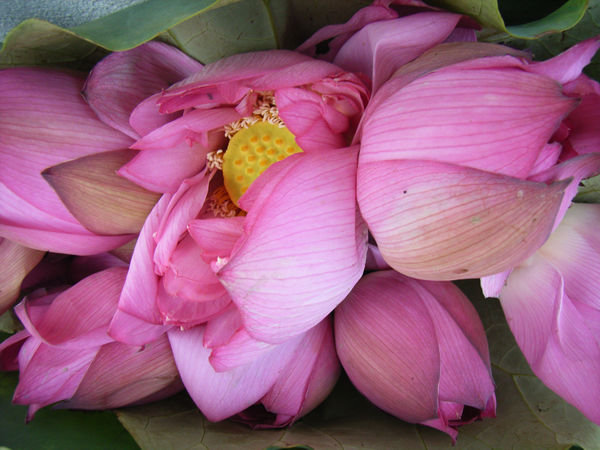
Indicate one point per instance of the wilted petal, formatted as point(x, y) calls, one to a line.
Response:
point(98, 197)
point(119, 82)
point(443, 222)
point(303, 241)
point(506, 118)
point(380, 48)
point(232, 391)
point(16, 262)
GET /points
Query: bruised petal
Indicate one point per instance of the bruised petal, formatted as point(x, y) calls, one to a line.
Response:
point(303, 240)
point(16, 262)
point(119, 82)
point(98, 197)
point(443, 222)
point(506, 118)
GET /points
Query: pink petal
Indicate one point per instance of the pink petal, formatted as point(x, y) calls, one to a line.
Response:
point(492, 284)
point(547, 158)
point(191, 127)
point(307, 379)
point(123, 79)
point(202, 87)
point(50, 103)
point(190, 278)
point(51, 375)
point(187, 313)
point(241, 349)
point(164, 170)
point(183, 207)
point(380, 48)
point(553, 334)
point(9, 349)
point(137, 304)
point(574, 249)
point(342, 32)
point(69, 322)
point(124, 374)
point(232, 391)
point(16, 262)
point(573, 170)
point(443, 222)
point(568, 65)
point(584, 135)
point(217, 236)
point(506, 118)
point(303, 242)
point(219, 330)
point(132, 330)
point(146, 116)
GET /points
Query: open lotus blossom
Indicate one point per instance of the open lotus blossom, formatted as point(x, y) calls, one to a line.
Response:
point(552, 305)
point(259, 200)
point(417, 350)
point(65, 354)
point(469, 157)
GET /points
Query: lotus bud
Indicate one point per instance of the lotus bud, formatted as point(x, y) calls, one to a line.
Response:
point(417, 350)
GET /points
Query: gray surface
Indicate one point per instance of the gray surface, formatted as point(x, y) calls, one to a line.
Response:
point(66, 13)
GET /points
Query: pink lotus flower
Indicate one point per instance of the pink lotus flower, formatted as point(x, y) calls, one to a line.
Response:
point(416, 349)
point(459, 170)
point(294, 235)
point(65, 354)
point(47, 126)
point(552, 304)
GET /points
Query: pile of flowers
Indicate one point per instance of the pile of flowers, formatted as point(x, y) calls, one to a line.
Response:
point(240, 229)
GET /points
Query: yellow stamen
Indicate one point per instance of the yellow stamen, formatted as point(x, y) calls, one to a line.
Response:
point(251, 151)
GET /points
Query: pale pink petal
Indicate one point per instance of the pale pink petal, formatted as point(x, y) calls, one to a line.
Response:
point(217, 236)
point(123, 79)
point(303, 242)
point(574, 249)
point(69, 322)
point(492, 284)
point(573, 170)
point(16, 262)
point(380, 48)
point(164, 170)
point(183, 207)
point(443, 222)
point(568, 65)
point(124, 374)
point(506, 118)
point(553, 334)
point(230, 392)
